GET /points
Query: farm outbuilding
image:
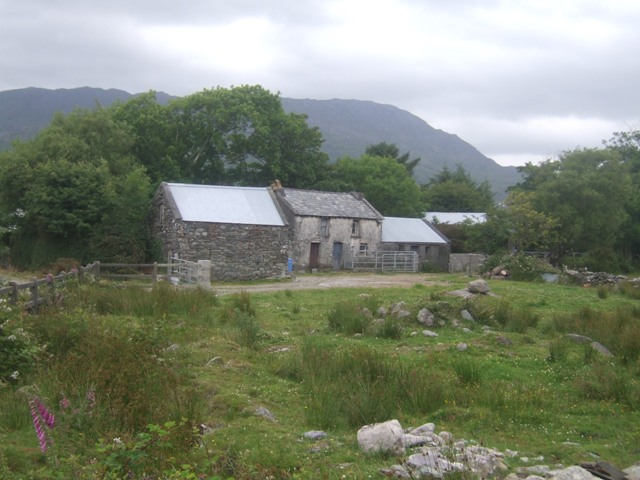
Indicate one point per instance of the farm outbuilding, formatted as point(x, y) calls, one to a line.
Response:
point(329, 228)
point(242, 230)
point(416, 235)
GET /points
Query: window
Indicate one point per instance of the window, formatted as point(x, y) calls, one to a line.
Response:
point(364, 247)
point(415, 248)
point(324, 227)
point(355, 228)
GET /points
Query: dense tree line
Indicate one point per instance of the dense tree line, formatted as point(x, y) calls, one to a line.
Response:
point(582, 208)
point(83, 187)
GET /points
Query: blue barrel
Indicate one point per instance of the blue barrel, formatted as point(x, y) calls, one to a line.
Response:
point(290, 265)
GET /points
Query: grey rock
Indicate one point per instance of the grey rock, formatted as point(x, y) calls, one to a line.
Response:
point(572, 473)
point(601, 349)
point(403, 314)
point(382, 312)
point(462, 346)
point(429, 333)
point(426, 317)
point(466, 330)
point(505, 341)
point(396, 471)
point(314, 435)
point(466, 315)
point(215, 361)
point(633, 472)
point(265, 413)
point(425, 429)
point(385, 437)
point(396, 307)
point(478, 286)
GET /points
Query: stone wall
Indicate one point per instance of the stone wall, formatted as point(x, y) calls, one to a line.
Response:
point(466, 262)
point(236, 251)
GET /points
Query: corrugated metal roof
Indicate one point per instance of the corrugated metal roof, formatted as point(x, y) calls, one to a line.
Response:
point(328, 204)
point(453, 218)
point(409, 230)
point(220, 204)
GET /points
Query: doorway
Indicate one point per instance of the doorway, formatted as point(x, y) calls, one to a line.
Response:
point(314, 253)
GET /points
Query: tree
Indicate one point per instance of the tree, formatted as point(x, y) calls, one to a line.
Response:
point(455, 191)
point(386, 184)
point(390, 150)
point(243, 136)
point(585, 192)
point(61, 188)
point(627, 145)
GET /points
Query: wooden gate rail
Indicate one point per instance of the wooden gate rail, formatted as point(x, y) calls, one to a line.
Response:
point(34, 287)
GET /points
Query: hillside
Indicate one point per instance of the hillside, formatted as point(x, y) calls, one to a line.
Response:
point(348, 127)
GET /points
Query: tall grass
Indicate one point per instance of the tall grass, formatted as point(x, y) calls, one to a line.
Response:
point(356, 386)
point(619, 330)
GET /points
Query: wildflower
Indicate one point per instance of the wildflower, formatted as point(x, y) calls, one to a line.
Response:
point(65, 403)
point(42, 438)
point(15, 375)
point(11, 338)
point(48, 417)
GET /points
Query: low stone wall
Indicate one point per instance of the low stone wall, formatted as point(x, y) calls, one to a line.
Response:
point(466, 262)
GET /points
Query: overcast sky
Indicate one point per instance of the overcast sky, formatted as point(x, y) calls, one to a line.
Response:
point(519, 80)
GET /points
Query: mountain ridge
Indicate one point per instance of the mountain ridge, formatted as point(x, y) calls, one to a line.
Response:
point(347, 126)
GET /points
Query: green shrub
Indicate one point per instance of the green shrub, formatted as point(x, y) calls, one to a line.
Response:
point(467, 371)
point(521, 267)
point(348, 317)
point(558, 350)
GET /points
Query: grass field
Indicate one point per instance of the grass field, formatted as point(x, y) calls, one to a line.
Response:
point(165, 383)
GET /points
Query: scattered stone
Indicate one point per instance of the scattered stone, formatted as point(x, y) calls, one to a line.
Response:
point(429, 333)
point(386, 437)
point(504, 341)
point(403, 314)
point(215, 361)
point(466, 315)
point(425, 429)
point(409, 440)
point(462, 346)
point(633, 472)
point(426, 317)
point(466, 330)
point(172, 348)
point(366, 312)
point(314, 435)
point(396, 471)
point(572, 473)
point(396, 307)
point(265, 413)
point(382, 312)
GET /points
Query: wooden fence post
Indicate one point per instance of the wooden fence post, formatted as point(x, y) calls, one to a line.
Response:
point(34, 294)
point(14, 293)
point(155, 273)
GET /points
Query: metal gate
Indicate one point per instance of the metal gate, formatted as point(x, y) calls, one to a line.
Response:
point(385, 261)
point(183, 271)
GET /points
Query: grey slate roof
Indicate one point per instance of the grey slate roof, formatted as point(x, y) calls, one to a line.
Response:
point(315, 203)
point(410, 230)
point(219, 204)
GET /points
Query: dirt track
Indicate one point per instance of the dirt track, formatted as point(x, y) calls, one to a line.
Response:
point(340, 280)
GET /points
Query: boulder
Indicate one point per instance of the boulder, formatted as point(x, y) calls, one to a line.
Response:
point(426, 317)
point(386, 437)
point(478, 286)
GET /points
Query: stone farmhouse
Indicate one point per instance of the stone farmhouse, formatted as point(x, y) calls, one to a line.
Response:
point(329, 227)
point(250, 233)
point(241, 230)
point(416, 235)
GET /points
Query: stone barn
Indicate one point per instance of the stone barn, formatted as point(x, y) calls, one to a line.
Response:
point(242, 230)
point(329, 228)
point(417, 235)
